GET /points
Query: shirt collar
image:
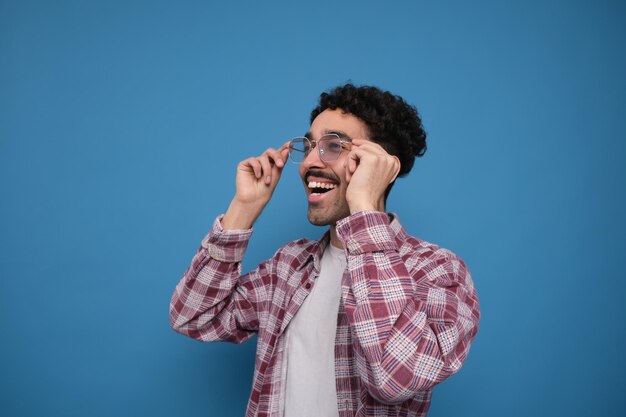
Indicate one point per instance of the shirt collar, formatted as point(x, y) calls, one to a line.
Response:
point(317, 248)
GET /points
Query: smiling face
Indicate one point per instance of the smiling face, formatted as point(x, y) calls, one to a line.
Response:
point(325, 182)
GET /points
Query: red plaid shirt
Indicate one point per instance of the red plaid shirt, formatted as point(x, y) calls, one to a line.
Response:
point(407, 316)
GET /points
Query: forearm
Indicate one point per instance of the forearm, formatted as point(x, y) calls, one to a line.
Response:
point(241, 216)
point(409, 331)
point(390, 329)
point(206, 303)
point(210, 302)
point(404, 349)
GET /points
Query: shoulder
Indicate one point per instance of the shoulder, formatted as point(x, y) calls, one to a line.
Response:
point(414, 246)
point(433, 262)
point(419, 249)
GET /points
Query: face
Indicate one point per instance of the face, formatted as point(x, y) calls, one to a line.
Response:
point(325, 182)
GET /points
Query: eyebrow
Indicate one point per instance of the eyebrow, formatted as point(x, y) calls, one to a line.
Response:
point(340, 133)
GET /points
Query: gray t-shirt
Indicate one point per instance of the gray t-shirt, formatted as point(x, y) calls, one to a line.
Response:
point(310, 389)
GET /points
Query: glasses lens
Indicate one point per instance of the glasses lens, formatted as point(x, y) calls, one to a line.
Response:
point(299, 148)
point(330, 147)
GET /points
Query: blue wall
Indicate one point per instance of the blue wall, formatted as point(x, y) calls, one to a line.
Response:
point(121, 124)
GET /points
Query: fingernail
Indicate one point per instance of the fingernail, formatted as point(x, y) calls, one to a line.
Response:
point(268, 179)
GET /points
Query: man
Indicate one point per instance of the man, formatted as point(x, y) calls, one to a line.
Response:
point(363, 322)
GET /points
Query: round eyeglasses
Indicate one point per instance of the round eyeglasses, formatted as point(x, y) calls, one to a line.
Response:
point(329, 147)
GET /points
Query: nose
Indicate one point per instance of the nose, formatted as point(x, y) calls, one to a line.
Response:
point(312, 160)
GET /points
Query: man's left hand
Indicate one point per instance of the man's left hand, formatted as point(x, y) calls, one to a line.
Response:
point(369, 171)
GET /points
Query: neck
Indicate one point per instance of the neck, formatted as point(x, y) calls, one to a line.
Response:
point(334, 239)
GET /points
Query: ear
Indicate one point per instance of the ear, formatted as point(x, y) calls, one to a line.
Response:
point(396, 168)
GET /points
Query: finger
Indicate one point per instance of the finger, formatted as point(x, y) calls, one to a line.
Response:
point(266, 166)
point(284, 150)
point(251, 164)
point(276, 170)
point(360, 142)
point(275, 156)
point(369, 146)
point(352, 162)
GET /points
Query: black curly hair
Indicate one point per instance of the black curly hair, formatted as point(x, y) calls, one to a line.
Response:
point(392, 123)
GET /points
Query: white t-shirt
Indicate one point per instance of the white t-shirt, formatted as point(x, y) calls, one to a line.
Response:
point(310, 389)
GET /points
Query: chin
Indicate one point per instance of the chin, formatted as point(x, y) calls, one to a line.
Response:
point(324, 218)
point(317, 221)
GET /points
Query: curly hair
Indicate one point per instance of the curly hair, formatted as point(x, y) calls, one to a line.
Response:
point(392, 123)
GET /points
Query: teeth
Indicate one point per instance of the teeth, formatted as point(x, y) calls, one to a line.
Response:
point(313, 184)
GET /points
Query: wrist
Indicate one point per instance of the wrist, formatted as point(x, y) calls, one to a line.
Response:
point(240, 216)
point(364, 205)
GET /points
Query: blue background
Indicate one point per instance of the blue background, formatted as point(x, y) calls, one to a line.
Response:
point(121, 124)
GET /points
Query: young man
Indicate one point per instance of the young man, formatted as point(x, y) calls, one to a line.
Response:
point(363, 322)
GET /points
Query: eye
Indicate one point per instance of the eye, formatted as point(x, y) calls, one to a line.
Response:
point(333, 145)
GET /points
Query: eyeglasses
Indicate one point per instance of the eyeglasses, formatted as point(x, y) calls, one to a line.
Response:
point(329, 147)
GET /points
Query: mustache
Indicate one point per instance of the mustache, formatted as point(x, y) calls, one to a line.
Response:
point(321, 174)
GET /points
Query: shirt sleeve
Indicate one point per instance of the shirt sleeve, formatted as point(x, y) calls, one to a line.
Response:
point(213, 301)
point(412, 316)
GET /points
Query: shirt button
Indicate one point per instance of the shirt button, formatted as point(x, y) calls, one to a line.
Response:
point(308, 286)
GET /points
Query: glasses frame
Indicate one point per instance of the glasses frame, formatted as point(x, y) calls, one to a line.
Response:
point(315, 143)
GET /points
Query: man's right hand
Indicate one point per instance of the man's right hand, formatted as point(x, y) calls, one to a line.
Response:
point(257, 178)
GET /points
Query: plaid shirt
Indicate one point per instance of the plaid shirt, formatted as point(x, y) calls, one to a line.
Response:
point(407, 316)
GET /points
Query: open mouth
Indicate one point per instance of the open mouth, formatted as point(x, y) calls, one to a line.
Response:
point(320, 187)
